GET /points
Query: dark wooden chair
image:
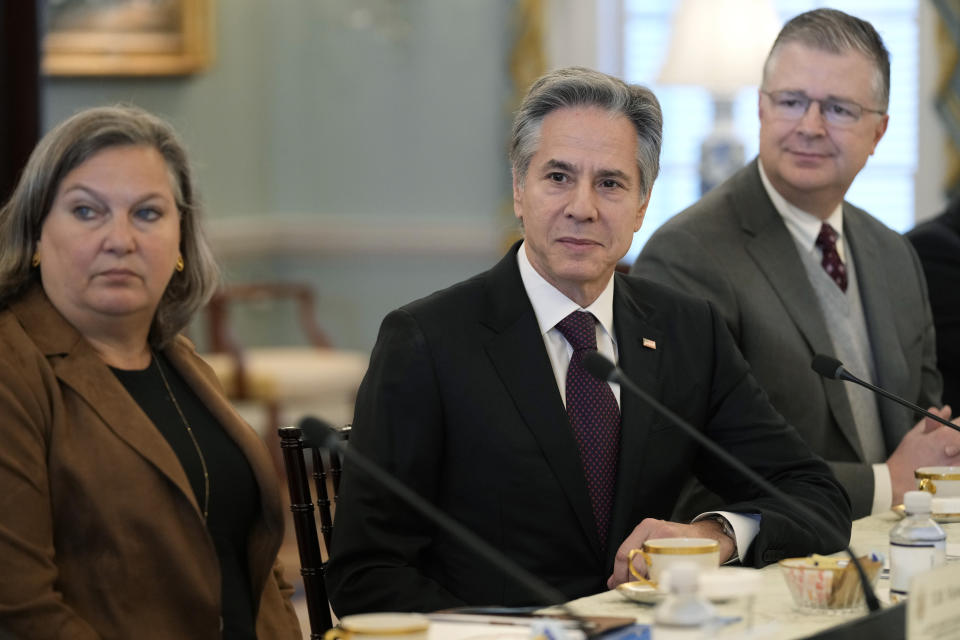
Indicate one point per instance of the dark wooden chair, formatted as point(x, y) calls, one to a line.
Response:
point(325, 469)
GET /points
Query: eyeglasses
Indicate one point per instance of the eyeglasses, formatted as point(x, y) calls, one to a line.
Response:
point(792, 105)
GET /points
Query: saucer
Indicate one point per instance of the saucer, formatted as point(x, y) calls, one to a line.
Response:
point(387, 623)
point(640, 592)
point(946, 518)
point(943, 518)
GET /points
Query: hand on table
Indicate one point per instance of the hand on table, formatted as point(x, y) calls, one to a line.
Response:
point(652, 528)
point(928, 443)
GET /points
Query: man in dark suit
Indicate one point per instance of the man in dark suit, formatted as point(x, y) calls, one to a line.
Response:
point(794, 270)
point(477, 399)
point(937, 243)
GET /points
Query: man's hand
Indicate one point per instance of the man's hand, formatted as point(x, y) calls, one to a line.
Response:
point(928, 443)
point(651, 528)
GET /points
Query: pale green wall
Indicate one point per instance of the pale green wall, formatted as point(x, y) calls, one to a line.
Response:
point(411, 123)
point(306, 113)
point(222, 115)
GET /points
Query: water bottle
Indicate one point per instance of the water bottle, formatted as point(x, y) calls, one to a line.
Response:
point(917, 544)
point(684, 614)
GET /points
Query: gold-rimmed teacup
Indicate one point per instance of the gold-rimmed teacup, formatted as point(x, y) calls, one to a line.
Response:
point(662, 553)
point(943, 482)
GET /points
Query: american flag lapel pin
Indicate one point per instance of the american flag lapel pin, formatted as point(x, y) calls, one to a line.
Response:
point(649, 344)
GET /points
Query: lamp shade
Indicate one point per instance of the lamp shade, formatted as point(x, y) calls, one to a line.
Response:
point(720, 44)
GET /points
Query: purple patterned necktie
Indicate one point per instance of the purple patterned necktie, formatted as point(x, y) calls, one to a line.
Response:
point(832, 264)
point(595, 419)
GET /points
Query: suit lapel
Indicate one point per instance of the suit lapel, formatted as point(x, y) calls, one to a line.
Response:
point(520, 359)
point(888, 357)
point(263, 544)
point(769, 243)
point(83, 371)
point(633, 322)
point(78, 366)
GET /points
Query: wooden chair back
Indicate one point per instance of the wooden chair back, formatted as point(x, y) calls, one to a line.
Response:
point(325, 469)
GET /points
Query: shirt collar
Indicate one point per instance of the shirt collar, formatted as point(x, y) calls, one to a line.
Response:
point(551, 306)
point(803, 226)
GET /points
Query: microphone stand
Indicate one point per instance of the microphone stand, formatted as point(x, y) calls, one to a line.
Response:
point(319, 432)
point(601, 368)
point(834, 370)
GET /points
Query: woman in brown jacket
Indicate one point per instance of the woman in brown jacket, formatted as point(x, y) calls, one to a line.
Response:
point(134, 501)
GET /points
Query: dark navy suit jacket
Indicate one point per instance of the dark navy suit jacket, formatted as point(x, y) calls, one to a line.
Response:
point(937, 243)
point(460, 402)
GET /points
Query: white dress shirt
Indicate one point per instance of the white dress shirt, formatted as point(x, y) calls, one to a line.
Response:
point(550, 307)
point(805, 227)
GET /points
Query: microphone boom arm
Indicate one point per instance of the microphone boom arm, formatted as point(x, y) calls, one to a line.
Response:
point(599, 366)
point(317, 431)
point(843, 374)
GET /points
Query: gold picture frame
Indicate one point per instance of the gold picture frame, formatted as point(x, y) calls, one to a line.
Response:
point(127, 37)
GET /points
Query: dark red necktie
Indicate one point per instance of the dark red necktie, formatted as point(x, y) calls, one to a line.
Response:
point(832, 264)
point(595, 419)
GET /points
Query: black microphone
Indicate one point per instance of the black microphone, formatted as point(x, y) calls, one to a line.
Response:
point(601, 368)
point(319, 433)
point(833, 369)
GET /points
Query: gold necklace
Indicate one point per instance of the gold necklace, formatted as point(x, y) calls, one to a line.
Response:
point(196, 445)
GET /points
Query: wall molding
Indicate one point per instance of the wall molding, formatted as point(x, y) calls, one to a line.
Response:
point(308, 234)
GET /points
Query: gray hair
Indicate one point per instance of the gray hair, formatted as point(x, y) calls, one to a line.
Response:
point(837, 32)
point(66, 147)
point(575, 87)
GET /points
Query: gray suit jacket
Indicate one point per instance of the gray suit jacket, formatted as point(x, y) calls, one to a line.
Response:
point(733, 248)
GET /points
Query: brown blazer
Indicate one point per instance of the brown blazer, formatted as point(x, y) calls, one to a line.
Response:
point(100, 533)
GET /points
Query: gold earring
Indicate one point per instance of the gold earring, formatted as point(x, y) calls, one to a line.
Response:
point(35, 261)
point(180, 263)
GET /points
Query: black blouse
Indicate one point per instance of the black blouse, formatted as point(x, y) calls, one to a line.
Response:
point(234, 495)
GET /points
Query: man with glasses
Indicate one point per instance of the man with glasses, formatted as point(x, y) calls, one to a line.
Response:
point(795, 270)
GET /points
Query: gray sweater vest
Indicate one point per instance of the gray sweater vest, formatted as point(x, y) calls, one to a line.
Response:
point(847, 326)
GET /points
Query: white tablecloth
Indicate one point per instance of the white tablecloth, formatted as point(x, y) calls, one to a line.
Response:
point(775, 617)
point(774, 614)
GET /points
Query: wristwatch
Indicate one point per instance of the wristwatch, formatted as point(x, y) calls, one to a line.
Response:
point(724, 526)
point(728, 531)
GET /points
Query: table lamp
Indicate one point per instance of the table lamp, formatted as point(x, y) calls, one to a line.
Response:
point(720, 45)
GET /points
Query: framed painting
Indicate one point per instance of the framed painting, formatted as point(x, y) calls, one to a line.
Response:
point(127, 37)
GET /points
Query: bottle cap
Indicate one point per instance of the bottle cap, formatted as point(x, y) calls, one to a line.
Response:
point(683, 577)
point(730, 582)
point(917, 502)
point(683, 607)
